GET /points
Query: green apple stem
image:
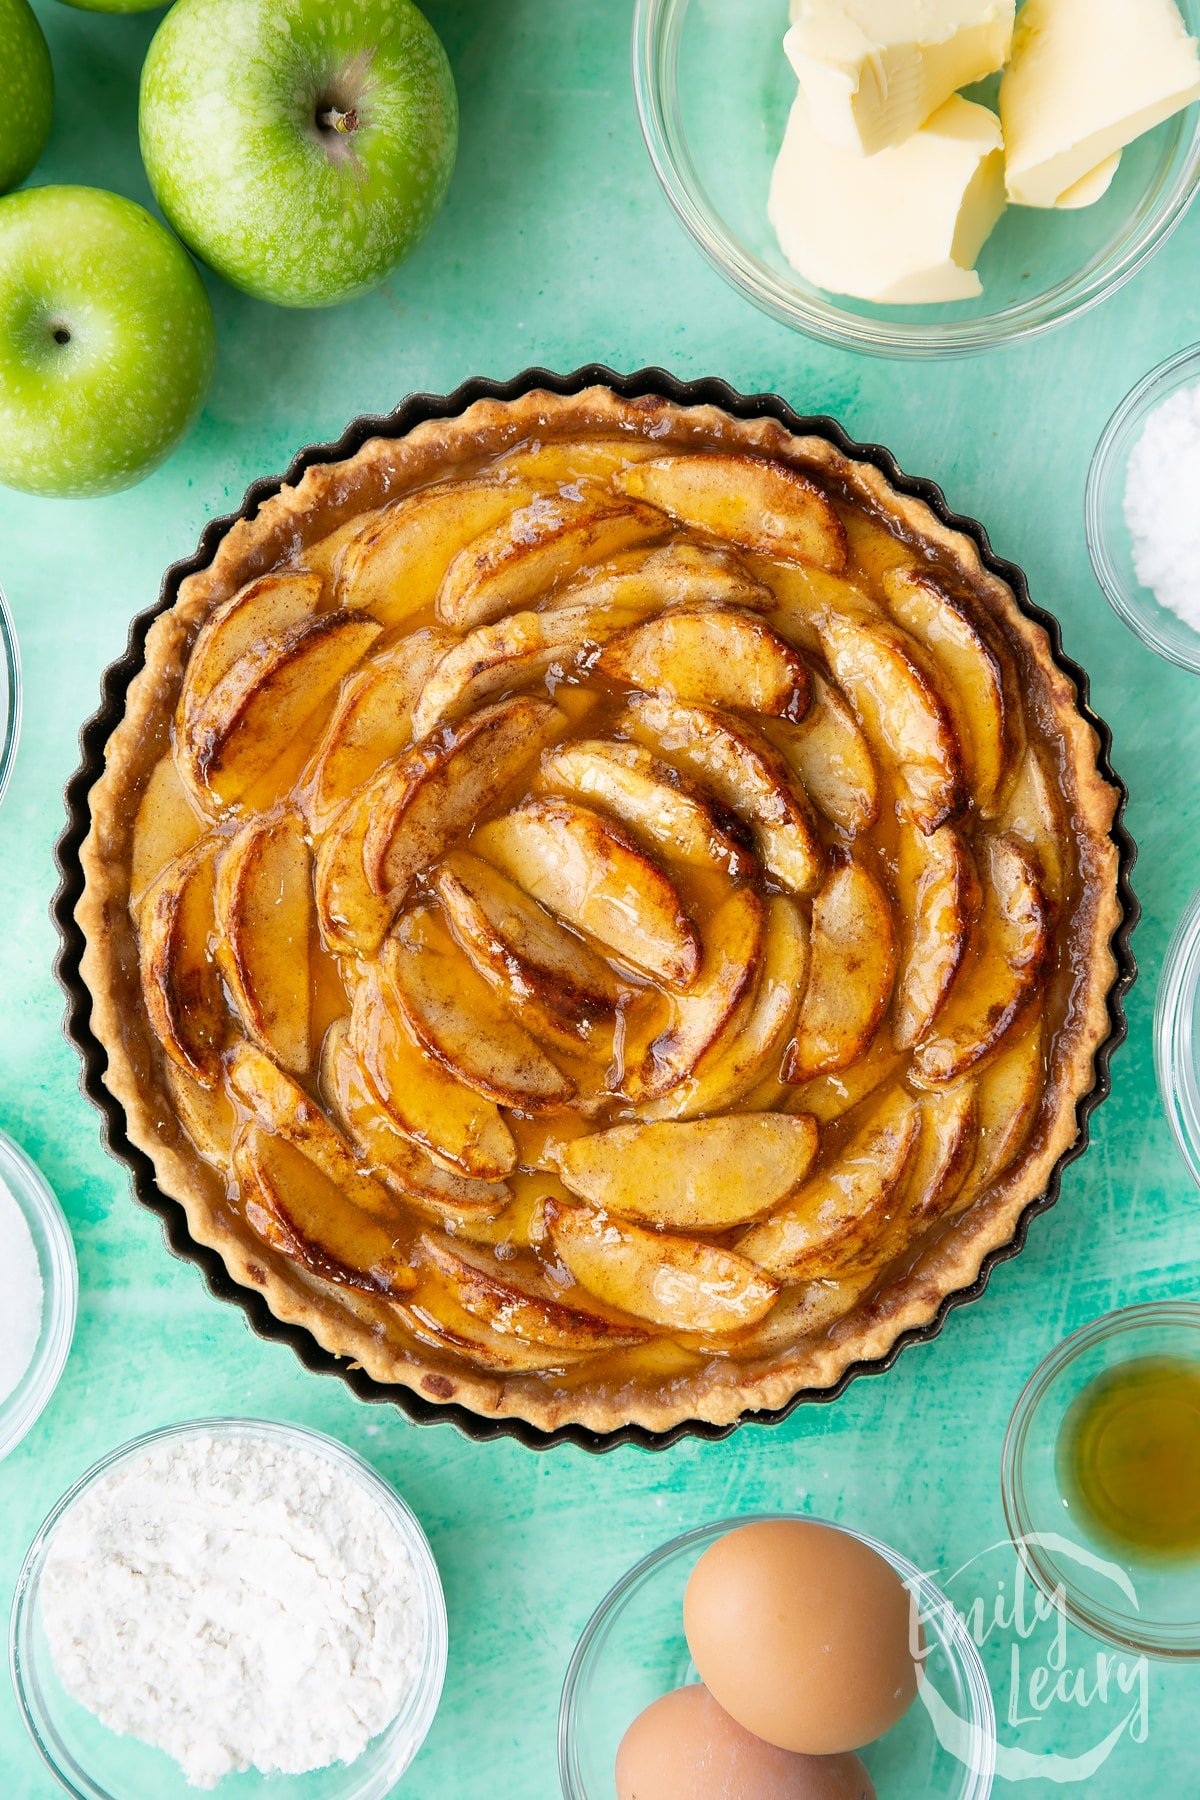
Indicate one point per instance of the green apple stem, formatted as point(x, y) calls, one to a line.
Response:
point(332, 118)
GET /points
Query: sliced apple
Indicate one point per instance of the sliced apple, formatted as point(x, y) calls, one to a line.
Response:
point(944, 1159)
point(167, 825)
point(938, 892)
point(677, 573)
point(747, 501)
point(647, 794)
point(592, 874)
point(439, 788)
point(802, 594)
point(205, 1113)
point(830, 1097)
point(372, 722)
point(559, 461)
point(680, 1282)
point(354, 919)
point(455, 1015)
point(264, 912)
point(836, 1214)
point(715, 655)
point(435, 1317)
point(831, 756)
point(1033, 812)
point(896, 696)
point(801, 1312)
point(692, 1175)
point(395, 567)
point(851, 972)
point(541, 546)
point(726, 756)
point(181, 985)
point(517, 1296)
point(1010, 948)
point(1010, 1092)
point(259, 614)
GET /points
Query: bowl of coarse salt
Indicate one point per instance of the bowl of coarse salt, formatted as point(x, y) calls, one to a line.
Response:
point(1142, 509)
point(232, 1606)
point(39, 1289)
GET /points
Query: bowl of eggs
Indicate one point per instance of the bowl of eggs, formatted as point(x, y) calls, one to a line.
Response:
point(781, 1655)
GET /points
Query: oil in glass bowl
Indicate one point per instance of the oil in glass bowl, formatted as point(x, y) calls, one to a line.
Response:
point(1129, 1457)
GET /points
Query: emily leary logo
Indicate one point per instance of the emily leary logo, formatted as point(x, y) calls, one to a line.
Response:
point(1049, 1679)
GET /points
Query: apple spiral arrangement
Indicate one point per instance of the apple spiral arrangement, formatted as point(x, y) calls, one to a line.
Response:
point(598, 910)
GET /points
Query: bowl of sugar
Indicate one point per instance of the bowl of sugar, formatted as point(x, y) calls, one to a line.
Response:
point(1142, 517)
point(39, 1288)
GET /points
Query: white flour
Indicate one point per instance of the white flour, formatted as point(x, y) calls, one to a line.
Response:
point(238, 1603)
point(1162, 504)
point(21, 1294)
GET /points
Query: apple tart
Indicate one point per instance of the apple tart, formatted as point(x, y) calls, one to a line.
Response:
point(600, 910)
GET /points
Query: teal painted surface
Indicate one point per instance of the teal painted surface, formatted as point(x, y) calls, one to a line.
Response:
point(556, 246)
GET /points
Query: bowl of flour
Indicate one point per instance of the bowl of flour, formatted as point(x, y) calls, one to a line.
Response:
point(39, 1288)
point(232, 1607)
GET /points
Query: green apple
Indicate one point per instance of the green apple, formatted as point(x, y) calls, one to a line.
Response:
point(300, 147)
point(107, 341)
point(26, 92)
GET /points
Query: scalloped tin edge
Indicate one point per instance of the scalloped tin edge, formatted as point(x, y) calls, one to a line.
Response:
point(94, 736)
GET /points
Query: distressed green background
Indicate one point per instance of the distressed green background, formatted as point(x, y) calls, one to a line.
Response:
point(556, 246)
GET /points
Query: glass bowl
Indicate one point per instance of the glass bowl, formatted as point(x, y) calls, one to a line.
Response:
point(633, 1649)
point(93, 1763)
point(713, 92)
point(1177, 1036)
point(1109, 542)
point(10, 694)
point(1144, 1604)
point(60, 1285)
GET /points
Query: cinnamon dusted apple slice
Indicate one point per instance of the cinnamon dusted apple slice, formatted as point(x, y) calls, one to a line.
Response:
point(682, 1283)
point(830, 755)
point(261, 613)
point(944, 1159)
point(167, 825)
point(803, 594)
point(258, 710)
point(541, 545)
point(715, 655)
point(897, 699)
point(830, 1097)
point(205, 1113)
point(802, 1311)
point(938, 892)
point(980, 684)
point(759, 505)
point(439, 787)
point(647, 794)
point(396, 565)
point(333, 1232)
point(1010, 1092)
point(834, 1217)
point(372, 722)
point(692, 1175)
point(516, 1297)
point(851, 970)
point(747, 775)
point(353, 917)
point(1033, 812)
point(455, 1015)
point(725, 983)
point(434, 1315)
point(264, 911)
point(180, 983)
point(996, 979)
point(458, 1127)
point(593, 875)
point(677, 573)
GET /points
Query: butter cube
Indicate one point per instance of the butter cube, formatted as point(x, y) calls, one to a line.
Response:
point(873, 71)
point(901, 228)
point(1086, 78)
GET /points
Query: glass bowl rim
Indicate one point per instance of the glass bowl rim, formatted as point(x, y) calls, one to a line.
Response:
point(10, 724)
point(39, 1205)
point(970, 1662)
point(822, 318)
point(426, 1690)
point(1142, 1637)
point(1174, 1009)
point(1127, 602)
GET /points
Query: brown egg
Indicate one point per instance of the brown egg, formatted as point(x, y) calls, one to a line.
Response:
point(684, 1747)
point(802, 1634)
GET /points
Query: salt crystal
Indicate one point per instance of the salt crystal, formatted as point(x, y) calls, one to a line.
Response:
point(21, 1294)
point(1162, 504)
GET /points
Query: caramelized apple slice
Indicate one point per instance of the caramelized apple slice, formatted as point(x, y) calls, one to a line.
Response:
point(259, 614)
point(541, 545)
point(803, 595)
point(1033, 812)
point(296, 1208)
point(745, 774)
point(830, 1097)
point(834, 1217)
point(372, 722)
point(439, 787)
point(714, 655)
point(1010, 1092)
point(180, 983)
point(395, 567)
point(434, 1316)
point(564, 461)
point(264, 909)
point(1010, 946)
point(456, 1125)
point(938, 891)
point(803, 1311)
point(851, 971)
point(353, 917)
point(647, 794)
point(166, 826)
point(516, 1296)
point(756, 504)
point(205, 1113)
point(680, 1282)
point(694, 1175)
point(460, 1020)
point(678, 573)
point(592, 874)
point(896, 697)
point(829, 753)
point(945, 1155)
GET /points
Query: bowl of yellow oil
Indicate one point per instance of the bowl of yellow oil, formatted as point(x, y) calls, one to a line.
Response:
point(1100, 1478)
